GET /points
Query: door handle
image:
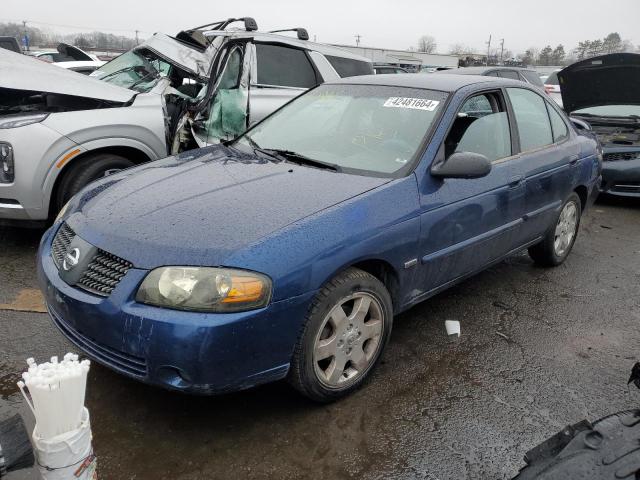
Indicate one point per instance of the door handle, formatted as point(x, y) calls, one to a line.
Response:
point(573, 159)
point(514, 182)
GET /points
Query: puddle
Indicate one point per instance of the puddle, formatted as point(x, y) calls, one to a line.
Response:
point(8, 382)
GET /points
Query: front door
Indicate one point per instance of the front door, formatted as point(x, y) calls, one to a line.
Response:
point(467, 223)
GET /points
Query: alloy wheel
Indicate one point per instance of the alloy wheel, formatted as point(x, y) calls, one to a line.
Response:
point(348, 340)
point(565, 229)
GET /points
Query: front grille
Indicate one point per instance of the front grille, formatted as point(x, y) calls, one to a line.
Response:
point(61, 243)
point(117, 359)
point(610, 157)
point(103, 273)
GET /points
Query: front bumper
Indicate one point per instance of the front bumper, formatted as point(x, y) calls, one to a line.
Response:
point(187, 351)
point(621, 177)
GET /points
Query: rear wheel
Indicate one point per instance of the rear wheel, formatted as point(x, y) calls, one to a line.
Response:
point(345, 332)
point(85, 171)
point(559, 240)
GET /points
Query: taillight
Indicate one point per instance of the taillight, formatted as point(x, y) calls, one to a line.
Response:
point(548, 88)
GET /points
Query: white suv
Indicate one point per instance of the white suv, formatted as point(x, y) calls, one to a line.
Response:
point(60, 130)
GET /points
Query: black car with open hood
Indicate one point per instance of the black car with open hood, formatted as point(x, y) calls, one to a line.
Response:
point(604, 91)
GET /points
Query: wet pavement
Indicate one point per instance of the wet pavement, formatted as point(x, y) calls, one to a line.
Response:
point(539, 349)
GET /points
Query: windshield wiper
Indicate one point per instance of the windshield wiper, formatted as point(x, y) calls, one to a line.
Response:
point(298, 158)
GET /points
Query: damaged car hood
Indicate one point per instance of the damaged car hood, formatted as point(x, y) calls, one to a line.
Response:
point(21, 72)
point(200, 207)
point(174, 51)
point(606, 80)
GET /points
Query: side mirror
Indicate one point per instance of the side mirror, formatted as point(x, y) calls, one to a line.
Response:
point(462, 165)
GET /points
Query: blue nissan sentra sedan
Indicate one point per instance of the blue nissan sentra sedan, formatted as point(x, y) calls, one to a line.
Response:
point(287, 253)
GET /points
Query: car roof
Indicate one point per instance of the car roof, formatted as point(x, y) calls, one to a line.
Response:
point(445, 82)
point(482, 70)
point(296, 42)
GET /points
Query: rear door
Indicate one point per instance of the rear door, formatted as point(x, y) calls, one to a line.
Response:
point(281, 73)
point(468, 223)
point(546, 160)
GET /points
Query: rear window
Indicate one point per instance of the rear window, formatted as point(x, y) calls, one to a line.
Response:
point(9, 44)
point(284, 66)
point(509, 74)
point(347, 67)
point(532, 77)
point(552, 79)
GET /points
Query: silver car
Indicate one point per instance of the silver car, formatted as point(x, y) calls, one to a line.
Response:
point(60, 130)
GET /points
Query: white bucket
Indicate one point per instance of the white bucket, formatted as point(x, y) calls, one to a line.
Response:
point(68, 456)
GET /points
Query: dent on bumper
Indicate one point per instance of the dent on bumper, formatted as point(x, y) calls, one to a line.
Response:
point(187, 351)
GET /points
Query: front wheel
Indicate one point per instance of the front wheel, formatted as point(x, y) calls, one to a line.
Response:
point(345, 332)
point(559, 240)
point(86, 170)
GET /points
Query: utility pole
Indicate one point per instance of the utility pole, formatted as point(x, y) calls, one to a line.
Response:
point(358, 37)
point(137, 42)
point(501, 50)
point(488, 49)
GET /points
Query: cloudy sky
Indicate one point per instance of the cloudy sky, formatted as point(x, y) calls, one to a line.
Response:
point(381, 23)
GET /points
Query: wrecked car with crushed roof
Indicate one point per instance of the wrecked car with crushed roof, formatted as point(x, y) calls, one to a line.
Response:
point(59, 130)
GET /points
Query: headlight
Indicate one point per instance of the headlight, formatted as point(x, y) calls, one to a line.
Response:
point(15, 121)
point(7, 167)
point(205, 289)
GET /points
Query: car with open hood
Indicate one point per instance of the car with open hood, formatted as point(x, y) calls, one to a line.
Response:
point(604, 92)
point(60, 130)
point(70, 57)
point(287, 252)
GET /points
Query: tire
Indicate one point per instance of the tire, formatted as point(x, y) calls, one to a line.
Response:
point(85, 171)
point(605, 450)
point(349, 321)
point(548, 253)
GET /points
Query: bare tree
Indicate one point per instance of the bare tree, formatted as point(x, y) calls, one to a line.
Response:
point(459, 49)
point(427, 44)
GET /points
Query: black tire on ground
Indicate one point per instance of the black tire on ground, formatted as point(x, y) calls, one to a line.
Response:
point(544, 253)
point(84, 171)
point(302, 374)
point(608, 449)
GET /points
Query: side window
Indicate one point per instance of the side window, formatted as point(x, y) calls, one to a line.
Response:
point(481, 126)
point(231, 73)
point(491, 74)
point(532, 118)
point(513, 75)
point(347, 67)
point(560, 130)
point(284, 66)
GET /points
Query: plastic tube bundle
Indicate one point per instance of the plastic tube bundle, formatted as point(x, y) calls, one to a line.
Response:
point(57, 391)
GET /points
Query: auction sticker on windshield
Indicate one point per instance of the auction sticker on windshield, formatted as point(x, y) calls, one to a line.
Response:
point(415, 103)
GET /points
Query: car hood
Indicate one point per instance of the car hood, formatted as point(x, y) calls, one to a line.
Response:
point(21, 72)
point(200, 207)
point(605, 80)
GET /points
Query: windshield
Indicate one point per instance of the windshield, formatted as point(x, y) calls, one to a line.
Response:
point(137, 70)
point(363, 129)
point(610, 111)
